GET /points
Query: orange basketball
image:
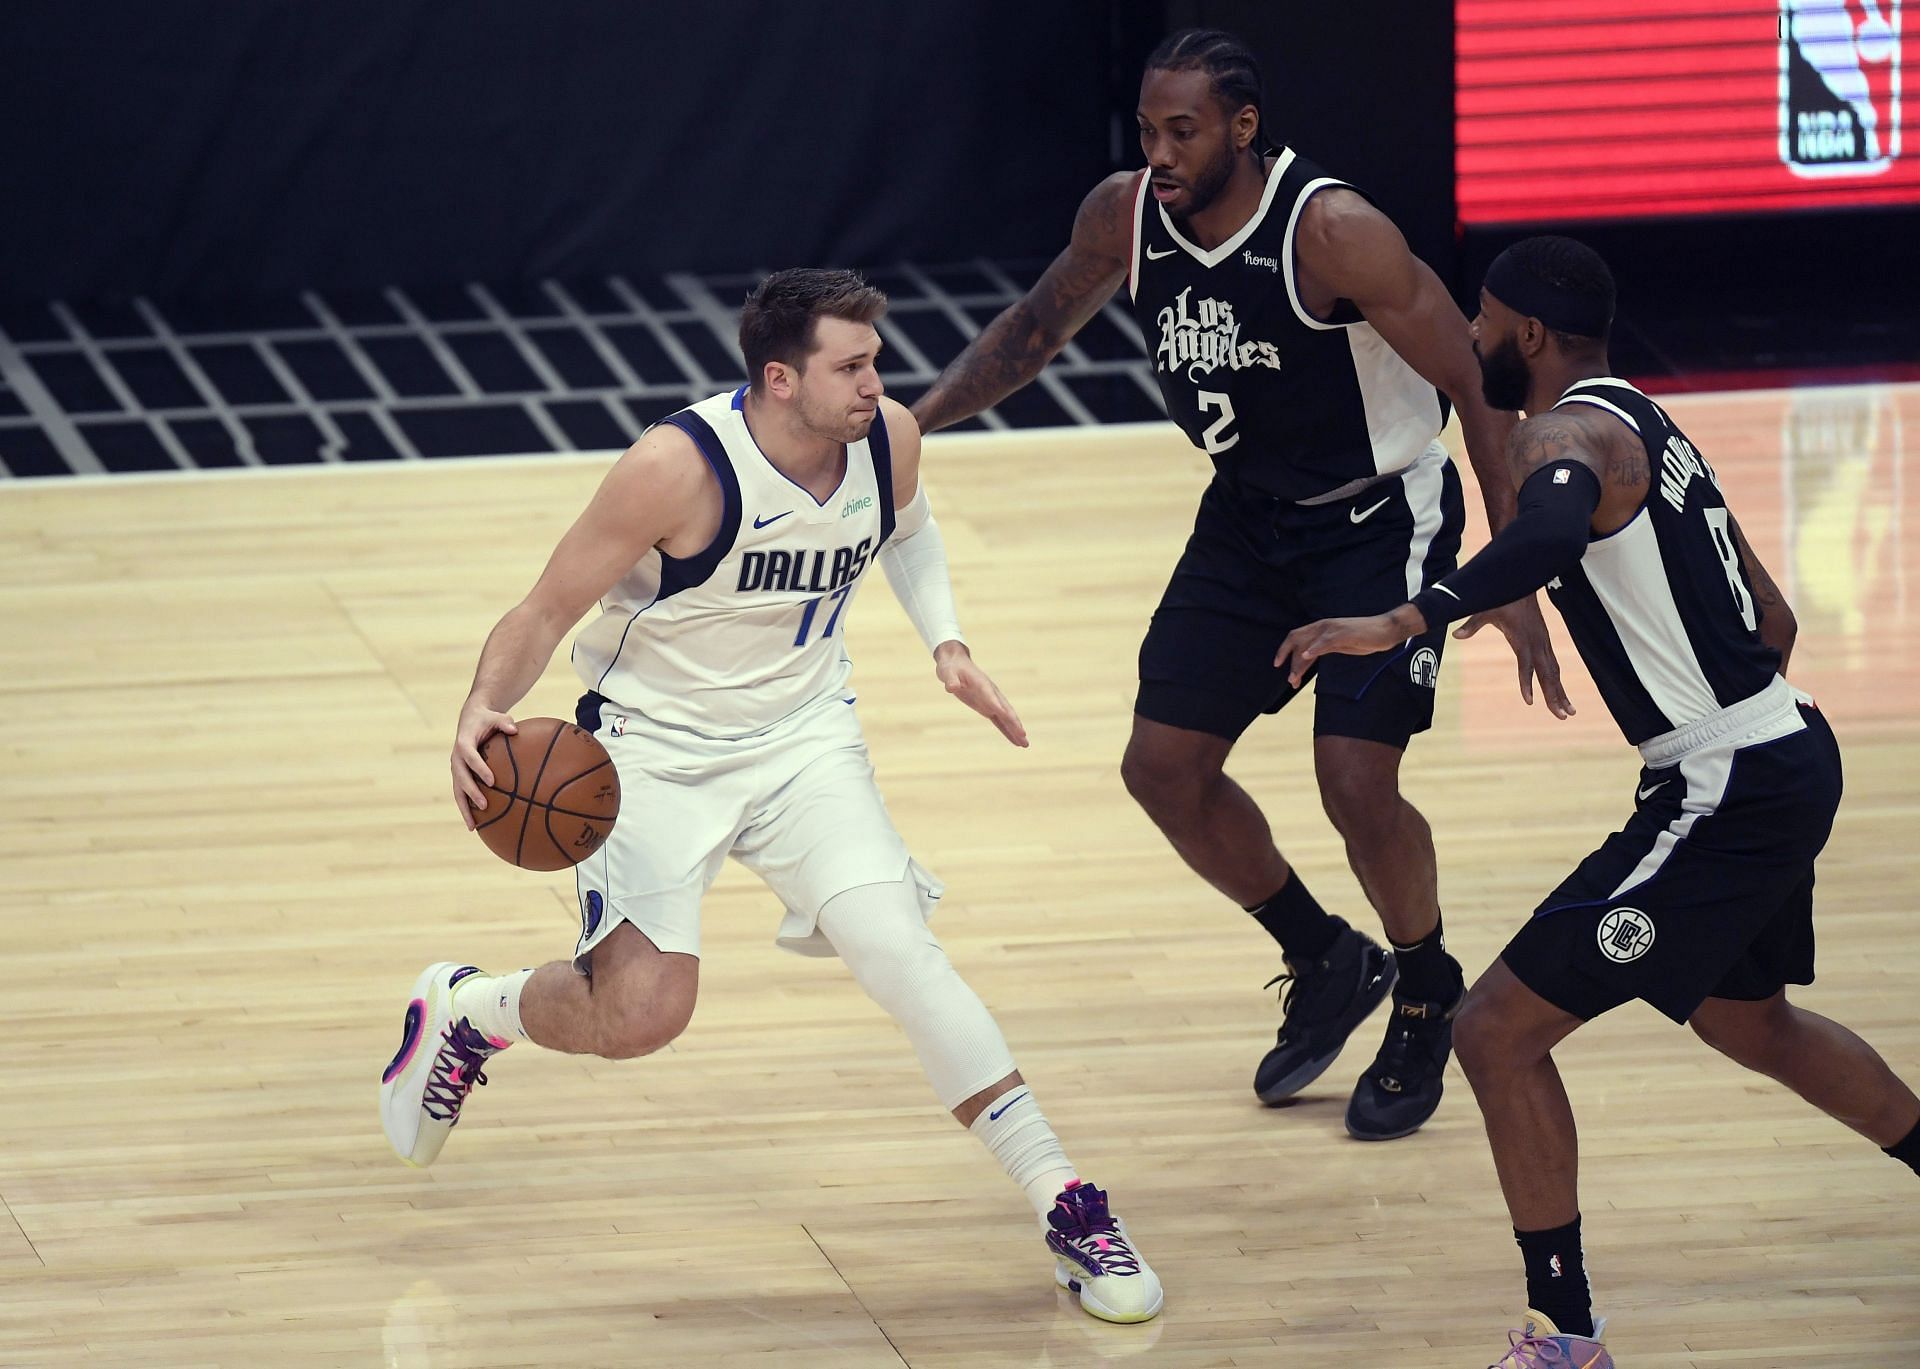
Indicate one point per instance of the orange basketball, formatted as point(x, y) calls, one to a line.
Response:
point(554, 796)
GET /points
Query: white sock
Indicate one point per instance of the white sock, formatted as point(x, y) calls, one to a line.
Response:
point(492, 1004)
point(1016, 1131)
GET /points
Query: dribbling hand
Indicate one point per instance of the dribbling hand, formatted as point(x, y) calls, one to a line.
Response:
point(470, 772)
point(972, 686)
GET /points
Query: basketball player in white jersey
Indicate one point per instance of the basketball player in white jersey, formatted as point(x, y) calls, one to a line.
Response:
point(1702, 904)
point(1304, 348)
point(723, 550)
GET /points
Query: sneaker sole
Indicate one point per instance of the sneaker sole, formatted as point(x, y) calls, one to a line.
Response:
point(1407, 1130)
point(1093, 1307)
point(1290, 1084)
point(424, 1017)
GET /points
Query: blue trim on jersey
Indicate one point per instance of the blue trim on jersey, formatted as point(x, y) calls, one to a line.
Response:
point(677, 574)
point(880, 448)
point(739, 403)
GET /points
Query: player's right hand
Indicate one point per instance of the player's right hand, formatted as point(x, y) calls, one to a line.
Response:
point(470, 772)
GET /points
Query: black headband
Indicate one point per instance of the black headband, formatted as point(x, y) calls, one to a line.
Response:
point(1560, 309)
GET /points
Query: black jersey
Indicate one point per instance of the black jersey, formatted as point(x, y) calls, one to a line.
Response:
point(1285, 403)
point(1662, 611)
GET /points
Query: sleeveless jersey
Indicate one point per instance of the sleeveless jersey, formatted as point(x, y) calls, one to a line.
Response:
point(1285, 403)
point(728, 643)
point(1662, 611)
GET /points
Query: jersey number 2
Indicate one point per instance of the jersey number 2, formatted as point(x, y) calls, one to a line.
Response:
point(1213, 438)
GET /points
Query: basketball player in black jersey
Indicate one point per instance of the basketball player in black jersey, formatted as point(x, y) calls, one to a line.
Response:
point(1299, 342)
point(1702, 904)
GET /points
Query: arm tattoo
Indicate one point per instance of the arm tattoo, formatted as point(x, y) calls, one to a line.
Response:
point(1540, 441)
point(1627, 463)
point(1013, 349)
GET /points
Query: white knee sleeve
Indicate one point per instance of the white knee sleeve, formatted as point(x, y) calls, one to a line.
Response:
point(880, 933)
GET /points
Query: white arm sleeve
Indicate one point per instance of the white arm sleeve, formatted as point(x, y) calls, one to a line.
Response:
point(915, 559)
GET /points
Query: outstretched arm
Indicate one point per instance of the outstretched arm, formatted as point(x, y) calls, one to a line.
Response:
point(1012, 349)
point(1351, 249)
point(915, 560)
point(1560, 490)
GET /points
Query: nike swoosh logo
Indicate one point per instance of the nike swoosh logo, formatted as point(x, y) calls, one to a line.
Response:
point(1650, 788)
point(1362, 515)
point(995, 1116)
point(760, 522)
point(1155, 256)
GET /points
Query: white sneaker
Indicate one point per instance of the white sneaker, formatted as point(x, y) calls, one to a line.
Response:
point(436, 1067)
point(1094, 1258)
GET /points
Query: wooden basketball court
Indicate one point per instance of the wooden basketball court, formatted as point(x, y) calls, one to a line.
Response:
point(227, 847)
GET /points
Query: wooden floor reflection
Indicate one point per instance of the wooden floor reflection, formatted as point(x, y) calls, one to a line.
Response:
point(225, 850)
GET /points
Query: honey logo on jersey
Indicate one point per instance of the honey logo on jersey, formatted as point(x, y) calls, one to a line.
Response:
point(1204, 337)
point(1839, 86)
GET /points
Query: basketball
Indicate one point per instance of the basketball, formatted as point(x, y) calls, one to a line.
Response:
point(554, 796)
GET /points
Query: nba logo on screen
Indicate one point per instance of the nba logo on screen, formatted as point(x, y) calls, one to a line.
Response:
point(1839, 86)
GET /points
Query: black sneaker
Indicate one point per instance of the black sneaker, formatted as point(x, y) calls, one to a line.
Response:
point(1322, 1002)
point(1402, 1087)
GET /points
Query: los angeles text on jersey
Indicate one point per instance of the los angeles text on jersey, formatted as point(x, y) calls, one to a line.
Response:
point(809, 572)
point(1206, 339)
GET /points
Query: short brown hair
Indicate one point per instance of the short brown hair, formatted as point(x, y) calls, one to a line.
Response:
point(777, 321)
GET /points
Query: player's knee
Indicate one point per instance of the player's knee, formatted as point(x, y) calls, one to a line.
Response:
point(1754, 1038)
point(1362, 804)
point(904, 974)
point(1484, 1039)
point(629, 1032)
point(1166, 784)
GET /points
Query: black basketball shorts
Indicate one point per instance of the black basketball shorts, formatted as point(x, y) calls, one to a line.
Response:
point(1707, 892)
point(1256, 568)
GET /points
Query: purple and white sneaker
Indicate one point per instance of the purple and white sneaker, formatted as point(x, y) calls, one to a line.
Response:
point(1094, 1258)
point(436, 1067)
point(1539, 1344)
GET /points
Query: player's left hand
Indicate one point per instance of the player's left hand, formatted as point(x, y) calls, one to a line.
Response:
point(1336, 637)
point(1526, 633)
point(972, 686)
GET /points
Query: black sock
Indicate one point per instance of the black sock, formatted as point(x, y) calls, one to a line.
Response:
point(1296, 920)
point(1427, 973)
point(1907, 1150)
point(1557, 1277)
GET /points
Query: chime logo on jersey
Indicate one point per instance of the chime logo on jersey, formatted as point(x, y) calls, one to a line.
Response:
point(1840, 84)
point(1625, 935)
point(1201, 338)
point(812, 572)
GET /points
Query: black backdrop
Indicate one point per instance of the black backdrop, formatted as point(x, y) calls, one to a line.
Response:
point(212, 147)
point(247, 146)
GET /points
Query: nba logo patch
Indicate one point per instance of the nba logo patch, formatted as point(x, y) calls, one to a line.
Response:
point(1625, 935)
point(619, 728)
point(1840, 83)
point(1561, 477)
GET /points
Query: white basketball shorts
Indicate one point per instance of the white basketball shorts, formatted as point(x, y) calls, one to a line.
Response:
point(797, 805)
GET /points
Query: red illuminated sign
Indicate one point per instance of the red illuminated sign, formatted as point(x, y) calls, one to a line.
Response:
point(1608, 109)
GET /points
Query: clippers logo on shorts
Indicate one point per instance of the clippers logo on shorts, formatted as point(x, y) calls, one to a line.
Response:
point(1839, 86)
point(590, 909)
point(1626, 934)
point(1207, 339)
point(1424, 668)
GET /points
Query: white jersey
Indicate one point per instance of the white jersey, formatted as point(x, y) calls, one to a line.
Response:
point(730, 642)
